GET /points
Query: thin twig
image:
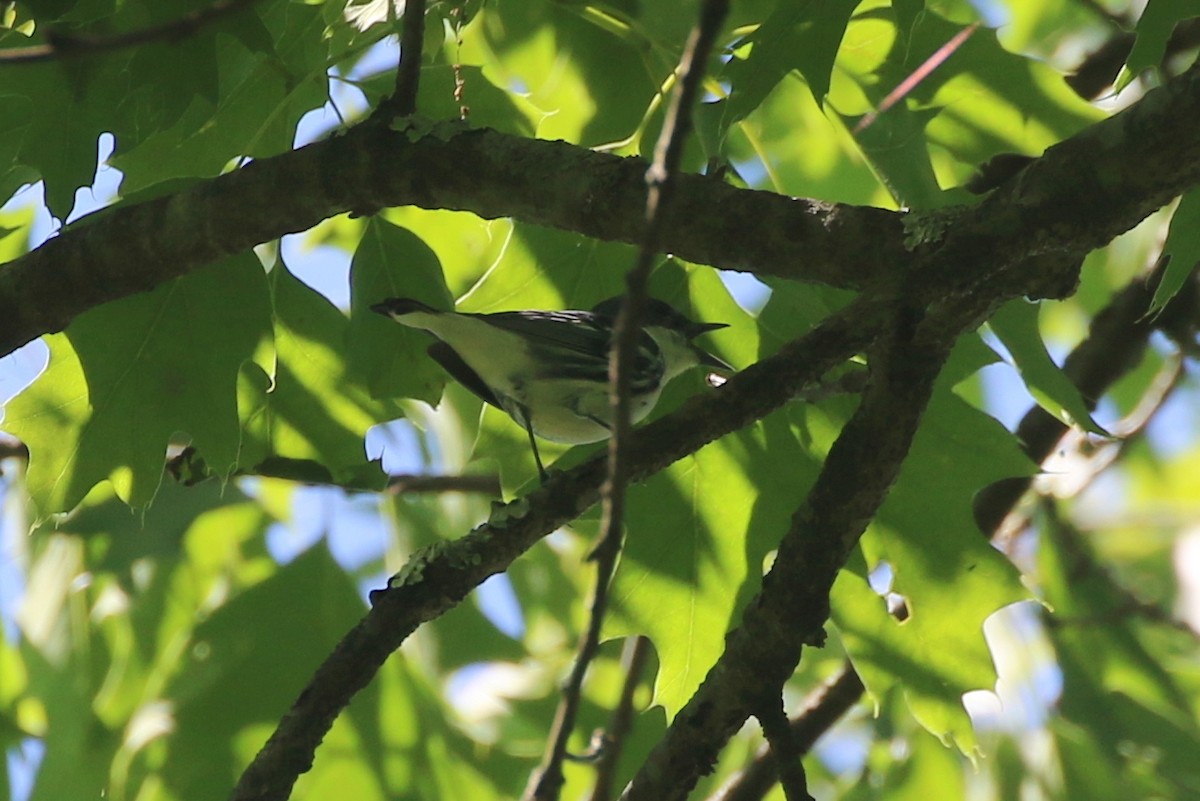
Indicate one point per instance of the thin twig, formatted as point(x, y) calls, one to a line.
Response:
point(69, 45)
point(1115, 344)
point(919, 74)
point(1085, 566)
point(823, 707)
point(1087, 458)
point(408, 74)
point(787, 751)
point(547, 780)
point(633, 661)
point(189, 468)
point(482, 484)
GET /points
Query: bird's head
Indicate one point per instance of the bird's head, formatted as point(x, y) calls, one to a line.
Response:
point(674, 332)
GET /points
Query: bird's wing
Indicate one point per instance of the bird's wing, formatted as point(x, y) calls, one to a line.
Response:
point(575, 331)
point(580, 343)
point(571, 341)
point(453, 364)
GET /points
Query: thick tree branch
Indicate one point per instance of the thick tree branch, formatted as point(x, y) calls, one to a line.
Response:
point(1083, 192)
point(1080, 195)
point(63, 44)
point(439, 577)
point(120, 251)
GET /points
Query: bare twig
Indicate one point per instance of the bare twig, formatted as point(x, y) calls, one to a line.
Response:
point(919, 74)
point(60, 44)
point(1084, 566)
point(793, 605)
point(1088, 458)
point(483, 484)
point(784, 746)
point(633, 660)
point(824, 707)
point(547, 780)
point(408, 74)
point(188, 467)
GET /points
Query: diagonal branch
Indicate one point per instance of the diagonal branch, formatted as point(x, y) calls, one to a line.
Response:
point(1113, 347)
point(633, 663)
point(823, 708)
point(785, 747)
point(440, 576)
point(793, 605)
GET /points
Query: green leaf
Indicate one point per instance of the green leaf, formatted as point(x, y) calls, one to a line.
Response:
point(1154, 28)
point(1183, 248)
point(924, 772)
point(796, 36)
point(126, 376)
point(57, 139)
point(521, 44)
point(697, 535)
point(1117, 687)
point(262, 96)
point(314, 410)
point(1087, 771)
point(1016, 325)
point(388, 358)
point(229, 688)
point(898, 149)
point(79, 748)
point(979, 101)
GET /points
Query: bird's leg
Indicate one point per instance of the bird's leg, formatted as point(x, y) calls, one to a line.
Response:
point(537, 457)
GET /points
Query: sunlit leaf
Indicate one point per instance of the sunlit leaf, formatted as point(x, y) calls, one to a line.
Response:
point(1183, 248)
point(128, 375)
point(314, 410)
point(948, 575)
point(1016, 325)
point(387, 357)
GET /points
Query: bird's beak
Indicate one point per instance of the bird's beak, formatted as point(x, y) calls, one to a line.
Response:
point(696, 329)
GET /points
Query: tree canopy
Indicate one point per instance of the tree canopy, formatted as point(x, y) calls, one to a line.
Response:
point(935, 538)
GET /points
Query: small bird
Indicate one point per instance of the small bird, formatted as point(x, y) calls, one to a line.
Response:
point(548, 370)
